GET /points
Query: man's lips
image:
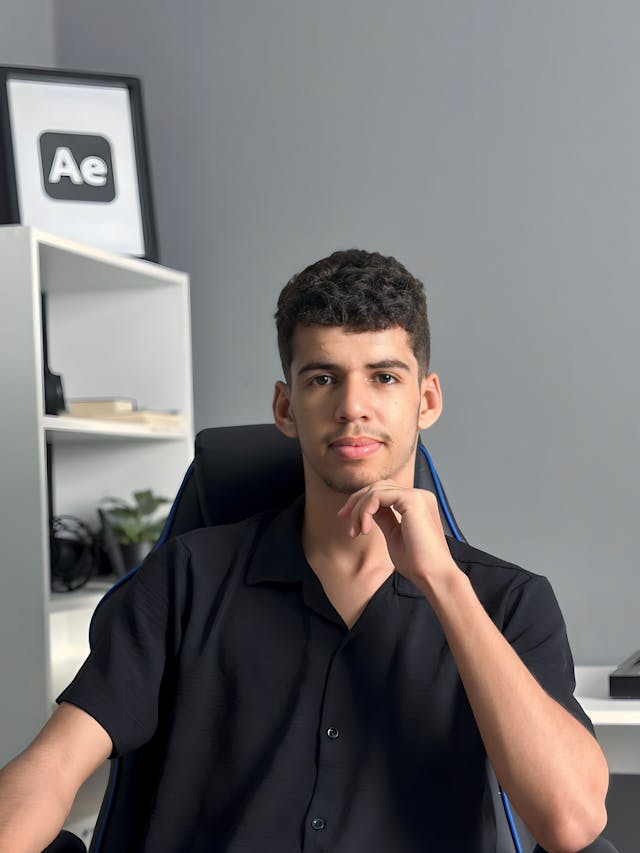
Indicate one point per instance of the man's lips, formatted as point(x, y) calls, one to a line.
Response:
point(355, 448)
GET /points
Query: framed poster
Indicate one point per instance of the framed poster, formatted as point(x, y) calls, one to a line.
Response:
point(73, 158)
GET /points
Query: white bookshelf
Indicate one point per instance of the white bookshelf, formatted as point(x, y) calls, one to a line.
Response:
point(117, 327)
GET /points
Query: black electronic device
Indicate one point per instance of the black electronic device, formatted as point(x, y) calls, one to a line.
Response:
point(74, 553)
point(624, 682)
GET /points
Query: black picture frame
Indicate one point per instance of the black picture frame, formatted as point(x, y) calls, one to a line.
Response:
point(88, 146)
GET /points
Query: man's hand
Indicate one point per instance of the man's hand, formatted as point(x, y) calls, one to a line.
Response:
point(415, 541)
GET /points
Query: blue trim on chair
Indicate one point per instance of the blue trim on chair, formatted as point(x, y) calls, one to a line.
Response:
point(109, 794)
point(512, 824)
point(442, 498)
point(174, 507)
point(448, 514)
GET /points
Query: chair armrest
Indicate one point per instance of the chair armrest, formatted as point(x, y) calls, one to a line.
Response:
point(600, 845)
point(66, 842)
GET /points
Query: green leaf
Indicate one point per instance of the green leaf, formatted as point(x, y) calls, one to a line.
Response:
point(134, 522)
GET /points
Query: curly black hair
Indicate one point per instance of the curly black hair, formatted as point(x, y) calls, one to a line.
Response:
point(361, 291)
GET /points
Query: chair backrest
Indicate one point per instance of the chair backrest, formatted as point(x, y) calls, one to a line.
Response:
point(236, 473)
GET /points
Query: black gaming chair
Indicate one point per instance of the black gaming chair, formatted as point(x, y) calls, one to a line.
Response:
point(237, 472)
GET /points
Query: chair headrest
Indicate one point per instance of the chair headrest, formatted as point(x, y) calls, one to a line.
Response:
point(243, 470)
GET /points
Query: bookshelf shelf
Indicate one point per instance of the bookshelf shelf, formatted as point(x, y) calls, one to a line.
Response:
point(65, 429)
point(69, 266)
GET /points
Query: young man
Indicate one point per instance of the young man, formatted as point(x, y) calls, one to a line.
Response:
point(330, 678)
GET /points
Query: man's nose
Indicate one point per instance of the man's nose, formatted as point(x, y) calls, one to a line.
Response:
point(353, 402)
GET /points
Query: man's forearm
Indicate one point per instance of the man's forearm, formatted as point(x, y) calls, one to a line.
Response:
point(32, 809)
point(37, 789)
point(548, 763)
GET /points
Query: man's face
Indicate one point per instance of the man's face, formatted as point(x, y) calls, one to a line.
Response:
point(356, 402)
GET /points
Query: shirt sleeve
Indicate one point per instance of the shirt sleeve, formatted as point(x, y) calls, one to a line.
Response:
point(535, 627)
point(119, 684)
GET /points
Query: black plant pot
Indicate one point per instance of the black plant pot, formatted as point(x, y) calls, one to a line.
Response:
point(134, 553)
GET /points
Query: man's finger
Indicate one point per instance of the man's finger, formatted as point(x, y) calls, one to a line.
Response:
point(387, 493)
point(386, 520)
point(363, 512)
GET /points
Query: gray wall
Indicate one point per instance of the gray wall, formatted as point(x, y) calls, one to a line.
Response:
point(491, 146)
point(26, 32)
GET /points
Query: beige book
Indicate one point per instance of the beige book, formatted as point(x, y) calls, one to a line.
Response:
point(99, 407)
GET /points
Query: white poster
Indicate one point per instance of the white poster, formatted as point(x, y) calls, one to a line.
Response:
point(75, 163)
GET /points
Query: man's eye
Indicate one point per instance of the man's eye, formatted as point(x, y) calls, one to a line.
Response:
point(323, 379)
point(385, 378)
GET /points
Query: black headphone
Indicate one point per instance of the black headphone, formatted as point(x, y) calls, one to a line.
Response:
point(74, 553)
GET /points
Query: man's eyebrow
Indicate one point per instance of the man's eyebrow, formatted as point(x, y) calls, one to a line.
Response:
point(388, 364)
point(385, 364)
point(316, 365)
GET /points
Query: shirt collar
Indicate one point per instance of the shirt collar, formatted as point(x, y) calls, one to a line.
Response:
point(403, 586)
point(280, 558)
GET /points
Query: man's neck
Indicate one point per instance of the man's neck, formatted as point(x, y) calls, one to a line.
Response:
point(330, 549)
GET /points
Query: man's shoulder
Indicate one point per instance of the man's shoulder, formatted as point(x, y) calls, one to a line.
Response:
point(221, 535)
point(504, 587)
point(204, 554)
point(475, 561)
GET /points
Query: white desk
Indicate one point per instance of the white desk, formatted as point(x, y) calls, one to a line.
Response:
point(617, 721)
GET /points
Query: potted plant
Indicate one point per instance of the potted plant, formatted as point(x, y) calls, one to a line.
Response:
point(135, 524)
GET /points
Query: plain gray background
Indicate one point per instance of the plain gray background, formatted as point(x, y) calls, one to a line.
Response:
point(493, 148)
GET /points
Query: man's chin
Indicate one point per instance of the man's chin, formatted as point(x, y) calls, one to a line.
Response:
point(347, 486)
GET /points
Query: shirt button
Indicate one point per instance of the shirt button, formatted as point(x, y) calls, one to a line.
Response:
point(318, 823)
point(333, 733)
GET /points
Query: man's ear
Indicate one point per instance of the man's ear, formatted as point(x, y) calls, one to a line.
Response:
point(282, 411)
point(430, 401)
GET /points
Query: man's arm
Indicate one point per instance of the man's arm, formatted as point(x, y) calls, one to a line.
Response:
point(549, 765)
point(37, 788)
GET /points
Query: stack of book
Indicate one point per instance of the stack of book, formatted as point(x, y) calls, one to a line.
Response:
point(124, 410)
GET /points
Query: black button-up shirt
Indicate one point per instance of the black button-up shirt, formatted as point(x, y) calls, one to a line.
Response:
point(251, 719)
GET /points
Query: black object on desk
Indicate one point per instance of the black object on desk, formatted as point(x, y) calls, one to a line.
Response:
point(624, 682)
